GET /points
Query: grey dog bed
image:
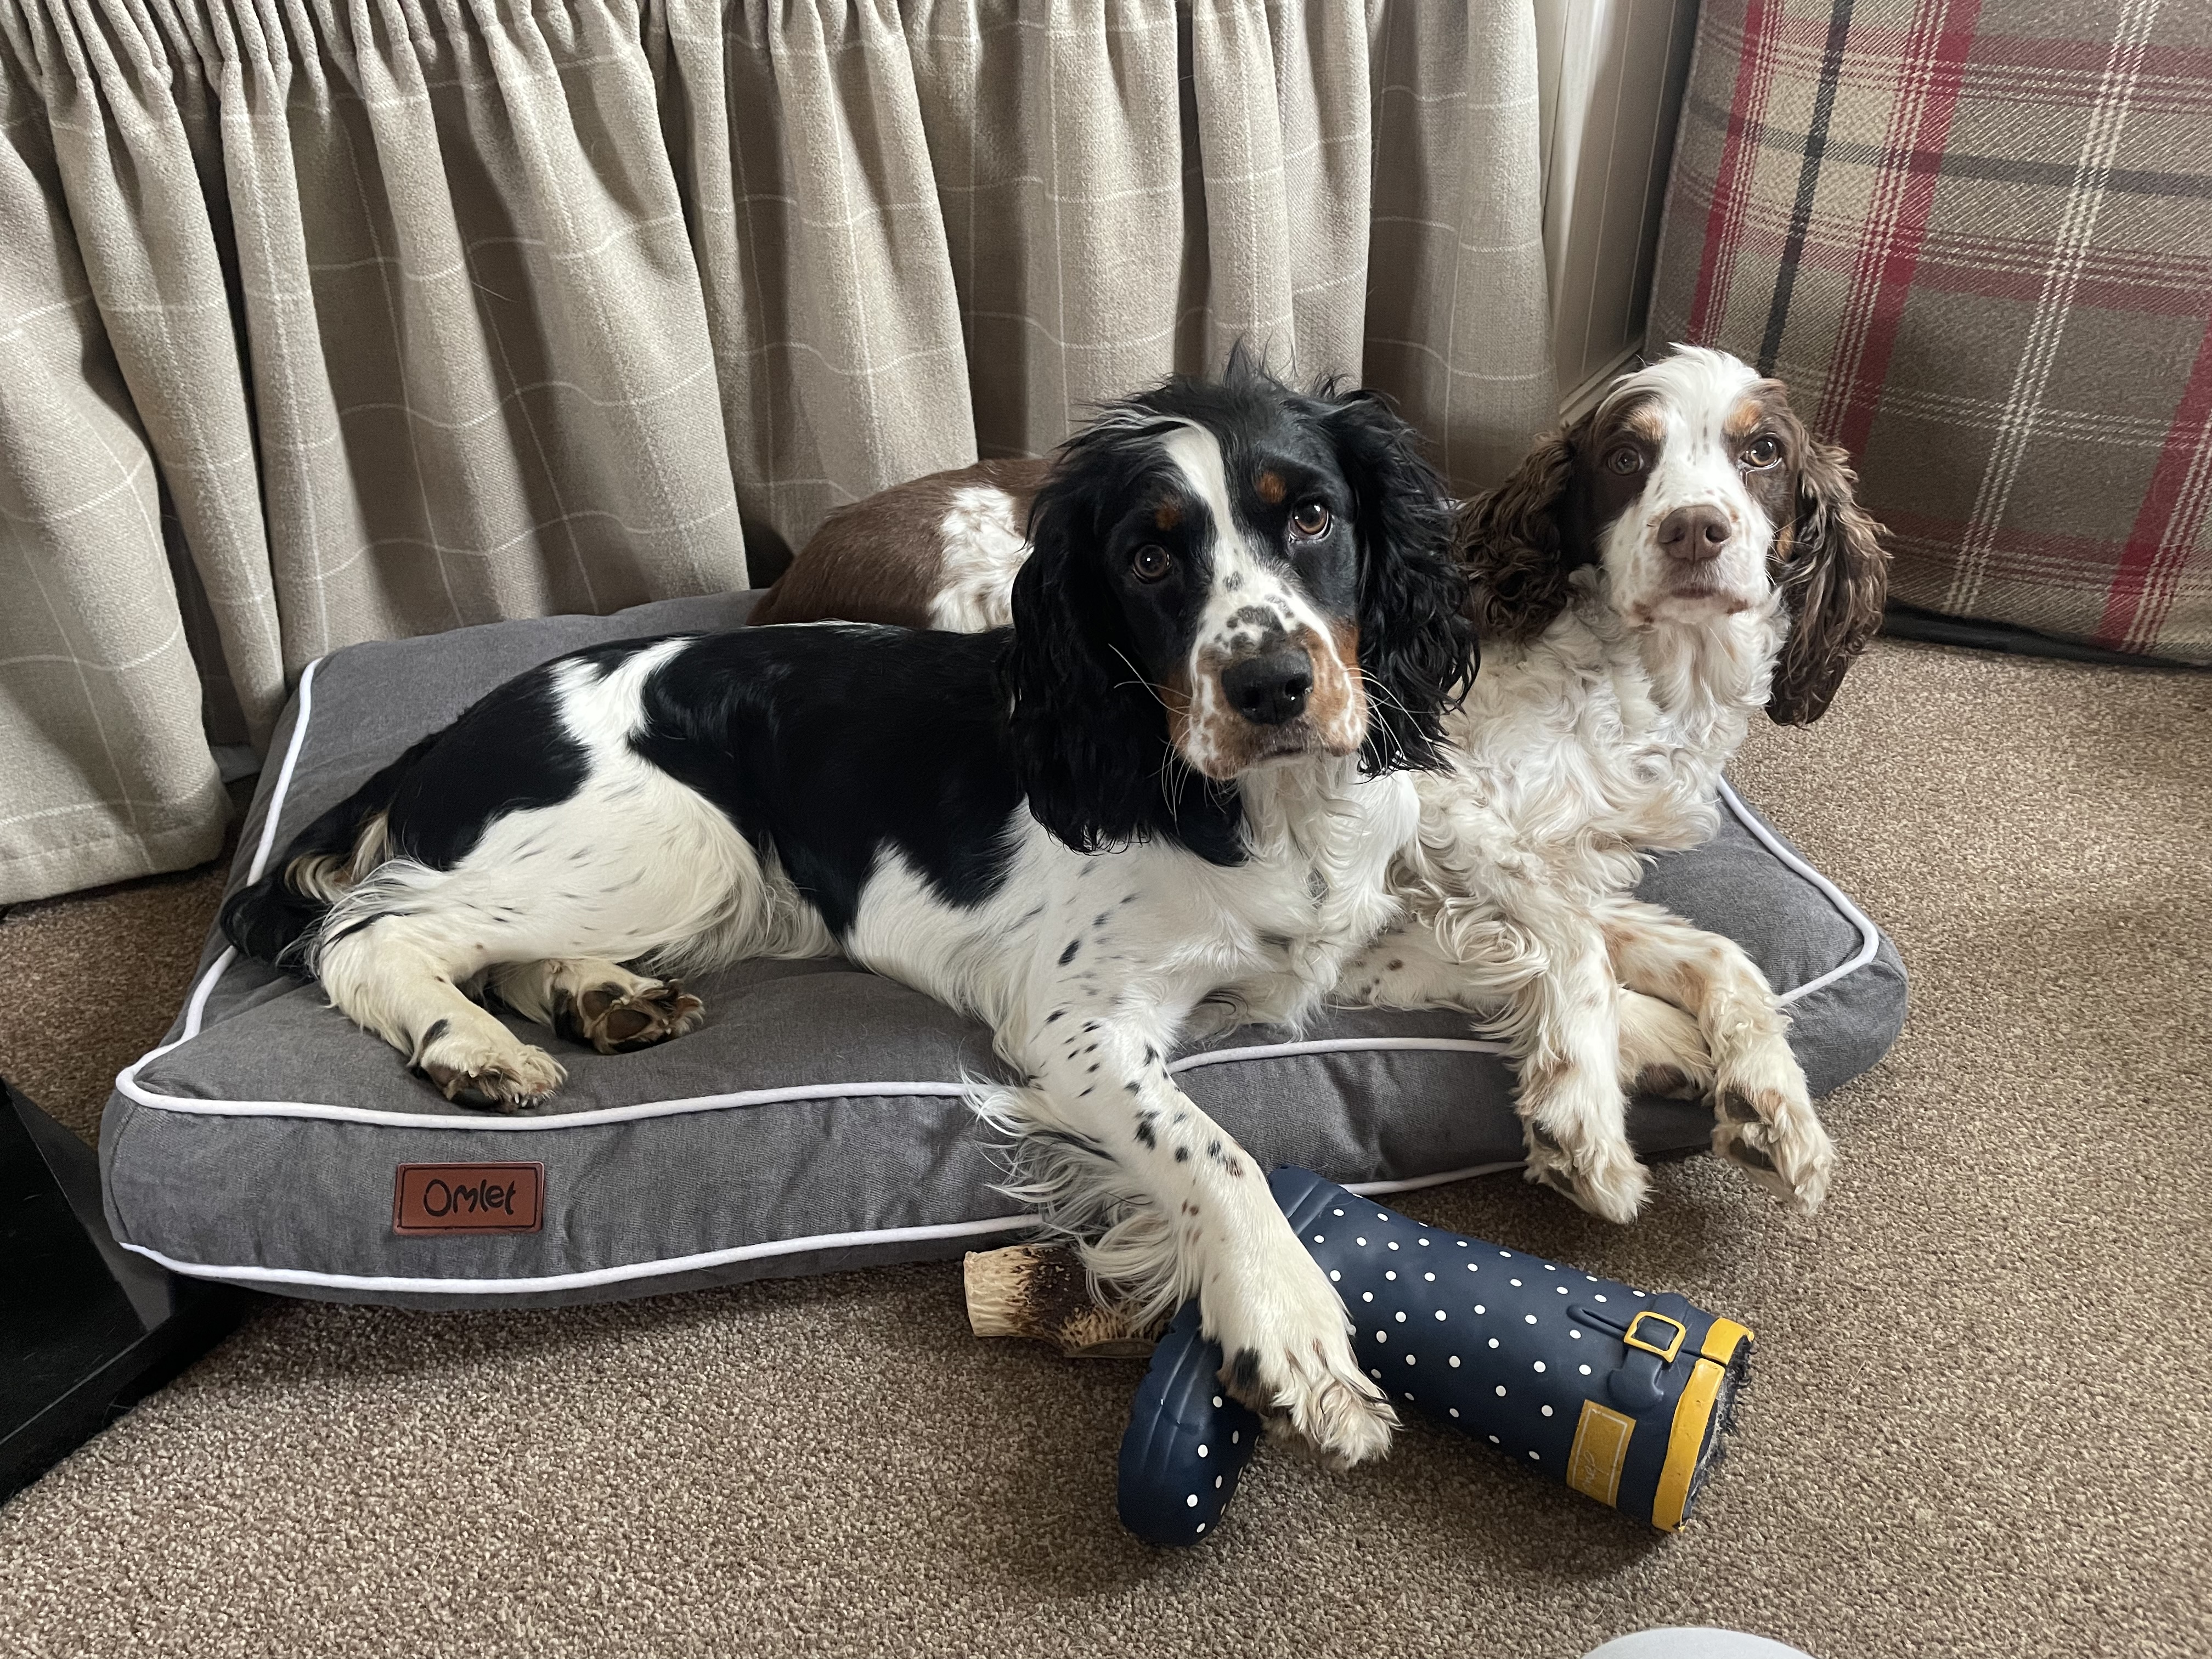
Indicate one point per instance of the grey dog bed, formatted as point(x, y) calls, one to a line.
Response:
point(817, 1121)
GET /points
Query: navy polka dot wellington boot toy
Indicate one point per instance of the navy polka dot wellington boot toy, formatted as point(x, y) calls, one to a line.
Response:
point(1186, 1440)
point(1622, 1395)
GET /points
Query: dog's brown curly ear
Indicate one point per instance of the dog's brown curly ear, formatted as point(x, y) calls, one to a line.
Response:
point(1513, 544)
point(1834, 579)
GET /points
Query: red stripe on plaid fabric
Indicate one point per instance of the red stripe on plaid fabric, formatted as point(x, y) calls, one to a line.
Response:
point(2167, 524)
point(2037, 557)
point(2114, 279)
point(1724, 218)
point(2083, 57)
point(1833, 244)
point(1896, 221)
point(2005, 68)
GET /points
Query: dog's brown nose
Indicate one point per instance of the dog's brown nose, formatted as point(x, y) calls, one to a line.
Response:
point(1692, 535)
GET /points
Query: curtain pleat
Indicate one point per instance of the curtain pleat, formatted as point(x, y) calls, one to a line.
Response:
point(382, 316)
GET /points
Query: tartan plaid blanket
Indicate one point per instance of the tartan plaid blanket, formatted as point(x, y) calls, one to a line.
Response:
point(1975, 236)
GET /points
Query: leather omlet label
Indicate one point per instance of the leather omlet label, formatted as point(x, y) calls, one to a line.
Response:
point(468, 1197)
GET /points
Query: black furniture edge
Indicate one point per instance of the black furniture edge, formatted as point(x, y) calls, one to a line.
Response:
point(87, 1329)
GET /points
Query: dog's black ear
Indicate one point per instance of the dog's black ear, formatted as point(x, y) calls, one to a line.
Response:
point(1089, 732)
point(1834, 579)
point(1517, 543)
point(1417, 648)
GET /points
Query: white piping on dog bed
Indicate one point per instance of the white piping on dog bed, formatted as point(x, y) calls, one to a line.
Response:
point(392, 1283)
point(1869, 935)
point(127, 1083)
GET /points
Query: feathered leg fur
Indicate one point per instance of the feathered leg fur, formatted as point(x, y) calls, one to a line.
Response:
point(1763, 1111)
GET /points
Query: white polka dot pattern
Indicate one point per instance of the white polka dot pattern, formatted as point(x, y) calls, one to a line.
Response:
point(1496, 1364)
point(1508, 1384)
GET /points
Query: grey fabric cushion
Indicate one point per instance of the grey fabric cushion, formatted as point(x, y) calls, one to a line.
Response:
point(817, 1121)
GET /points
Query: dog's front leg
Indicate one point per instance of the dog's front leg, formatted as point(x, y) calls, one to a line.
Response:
point(1765, 1120)
point(1166, 1205)
point(1535, 975)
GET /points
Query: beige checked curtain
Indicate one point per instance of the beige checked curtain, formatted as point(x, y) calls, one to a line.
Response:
point(330, 322)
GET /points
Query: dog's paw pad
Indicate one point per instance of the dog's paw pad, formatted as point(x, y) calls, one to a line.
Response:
point(1669, 1083)
point(1734, 1106)
point(616, 1019)
point(1791, 1158)
point(1602, 1177)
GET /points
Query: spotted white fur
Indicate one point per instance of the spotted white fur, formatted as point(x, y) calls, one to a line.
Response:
point(1249, 595)
point(1577, 754)
point(1087, 967)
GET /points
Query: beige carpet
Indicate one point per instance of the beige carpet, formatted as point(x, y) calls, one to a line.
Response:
point(1978, 1426)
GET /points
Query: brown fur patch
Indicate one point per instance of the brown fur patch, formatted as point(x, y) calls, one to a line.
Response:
point(1686, 986)
point(1540, 1073)
point(881, 559)
point(1167, 515)
point(1271, 487)
point(1521, 541)
point(1762, 403)
point(1834, 571)
point(1338, 703)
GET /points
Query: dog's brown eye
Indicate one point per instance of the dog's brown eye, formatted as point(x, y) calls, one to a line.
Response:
point(1763, 452)
point(1150, 562)
point(1625, 459)
point(1311, 519)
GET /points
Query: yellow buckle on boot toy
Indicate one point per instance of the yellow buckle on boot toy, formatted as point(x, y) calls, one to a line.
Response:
point(1666, 1354)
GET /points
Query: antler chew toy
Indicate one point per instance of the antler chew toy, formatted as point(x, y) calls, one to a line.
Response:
point(1621, 1393)
point(1021, 1291)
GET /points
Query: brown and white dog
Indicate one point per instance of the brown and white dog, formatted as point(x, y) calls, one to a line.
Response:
point(1680, 557)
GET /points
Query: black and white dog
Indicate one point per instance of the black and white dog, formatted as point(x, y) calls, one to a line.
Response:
point(1181, 777)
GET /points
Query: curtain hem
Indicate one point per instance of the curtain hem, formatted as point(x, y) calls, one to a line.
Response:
point(49, 872)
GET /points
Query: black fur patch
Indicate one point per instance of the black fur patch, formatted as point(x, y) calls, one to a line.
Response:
point(507, 750)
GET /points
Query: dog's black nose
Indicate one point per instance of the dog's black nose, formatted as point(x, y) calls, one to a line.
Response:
point(1270, 689)
point(1693, 534)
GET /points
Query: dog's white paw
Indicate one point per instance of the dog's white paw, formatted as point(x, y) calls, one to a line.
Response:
point(1287, 1354)
point(1573, 1120)
point(1599, 1172)
point(473, 1067)
point(1765, 1123)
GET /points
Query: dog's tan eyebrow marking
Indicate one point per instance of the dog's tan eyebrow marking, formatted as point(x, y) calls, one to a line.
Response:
point(1754, 406)
point(1168, 514)
point(1744, 419)
point(1271, 487)
point(1643, 420)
